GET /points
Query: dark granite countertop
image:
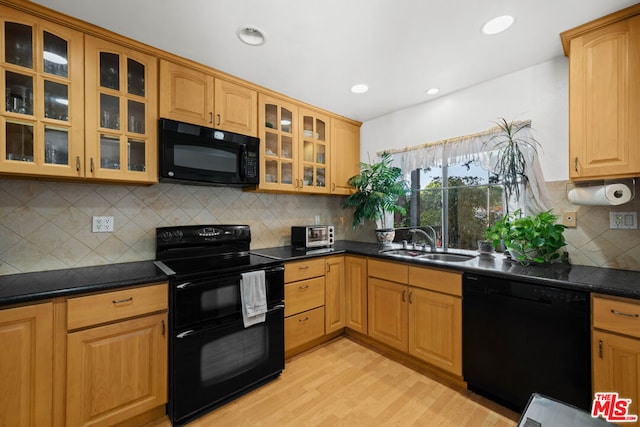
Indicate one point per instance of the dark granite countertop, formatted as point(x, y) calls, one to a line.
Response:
point(27, 287)
point(591, 279)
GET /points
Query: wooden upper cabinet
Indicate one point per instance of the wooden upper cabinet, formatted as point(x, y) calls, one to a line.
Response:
point(42, 118)
point(314, 150)
point(186, 94)
point(236, 108)
point(278, 123)
point(193, 96)
point(121, 113)
point(26, 388)
point(345, 155)
point(604, 96)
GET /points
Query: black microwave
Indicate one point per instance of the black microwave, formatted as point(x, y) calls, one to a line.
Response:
point(201, 155)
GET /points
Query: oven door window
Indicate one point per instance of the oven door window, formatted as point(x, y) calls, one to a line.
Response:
point(214, 299)
point(213, 364)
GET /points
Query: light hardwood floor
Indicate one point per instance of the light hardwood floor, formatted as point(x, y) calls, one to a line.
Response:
point(343, 383)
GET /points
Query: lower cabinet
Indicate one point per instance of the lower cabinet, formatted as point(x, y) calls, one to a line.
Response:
point(355, 281)
point(615, 350)
point(26, 365)
point(334, 300)
point(116, 355)
point(417, 310)
point(304, 302)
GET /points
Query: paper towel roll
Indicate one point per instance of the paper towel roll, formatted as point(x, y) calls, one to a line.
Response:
point(612, 194)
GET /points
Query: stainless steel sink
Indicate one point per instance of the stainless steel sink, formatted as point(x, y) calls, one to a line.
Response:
point(420, 254)
point(447, 257)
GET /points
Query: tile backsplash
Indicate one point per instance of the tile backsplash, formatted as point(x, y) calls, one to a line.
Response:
point(46, 225)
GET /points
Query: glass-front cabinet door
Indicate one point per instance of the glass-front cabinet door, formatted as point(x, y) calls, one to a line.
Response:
point(42, 119)
point(121, 113)
point(279, 144)
point(313, 168)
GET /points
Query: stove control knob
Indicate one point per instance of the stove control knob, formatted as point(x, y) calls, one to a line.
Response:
point(177, 234)
point(165, 236)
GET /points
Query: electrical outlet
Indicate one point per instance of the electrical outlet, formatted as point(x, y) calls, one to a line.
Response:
point(623, 220)
point(570, 219)
point(102, 224)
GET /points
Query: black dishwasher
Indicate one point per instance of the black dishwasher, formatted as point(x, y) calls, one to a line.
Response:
point(520, 338)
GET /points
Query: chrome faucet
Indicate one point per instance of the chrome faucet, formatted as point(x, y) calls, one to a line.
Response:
point(430, 240)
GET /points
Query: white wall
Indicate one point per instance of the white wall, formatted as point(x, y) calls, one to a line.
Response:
point(539, 93)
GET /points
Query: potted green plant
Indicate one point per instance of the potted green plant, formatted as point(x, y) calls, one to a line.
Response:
point(511, 163)
point(378, 190)
point(528, 239)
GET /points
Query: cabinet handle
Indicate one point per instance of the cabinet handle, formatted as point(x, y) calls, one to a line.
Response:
point(410, 300)
point(306, 267)
point(403, 296)
point(333, 186)
point(303, 287)
point(163, 328)
point(77, 163)
point(328, 268)
point(121, 301)
point(296, 186)
point(575, 164)
point(303, 320)
point(600, 348)
point(211, 117)
point(91, 165)
point(218, 117)
point(620, 313)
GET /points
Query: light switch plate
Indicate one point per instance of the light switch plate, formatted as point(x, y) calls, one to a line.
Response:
point(102, 224)
point(623, 220)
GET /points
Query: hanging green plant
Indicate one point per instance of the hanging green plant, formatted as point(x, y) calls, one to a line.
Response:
point(511, 165)
point(379, 188)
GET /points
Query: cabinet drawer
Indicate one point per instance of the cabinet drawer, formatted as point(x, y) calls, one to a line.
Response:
point(617, 316)
point(303, 295)
point(436, 280)
point(303, 327)
point(391, 271)
point(110, 306)
point(300, 270)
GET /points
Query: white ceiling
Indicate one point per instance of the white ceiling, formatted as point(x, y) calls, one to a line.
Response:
point(316, 50)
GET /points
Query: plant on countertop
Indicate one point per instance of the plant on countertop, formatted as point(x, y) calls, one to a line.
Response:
point(530, 238)
point(511, 165)
point(379, 187)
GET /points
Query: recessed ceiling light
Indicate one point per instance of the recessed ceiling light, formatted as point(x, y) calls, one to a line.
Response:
point(433, 91)
point(359, 88)
point(253, 36)
point(498, 24)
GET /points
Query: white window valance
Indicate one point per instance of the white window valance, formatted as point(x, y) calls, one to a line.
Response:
point(476, 147)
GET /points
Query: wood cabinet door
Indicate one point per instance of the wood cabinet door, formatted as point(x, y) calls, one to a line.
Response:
point(355, 275)
point(345, 155)
point(313, 155)
point(278, 123)
point(121, 113)
point(186, 94)
point(604, 102)
point(117, 371)
point(435, 329)
point(388, 313)
point(26, 365)
point(236, 108)
point(616, 367)
point(334, 311)
point(42, 118)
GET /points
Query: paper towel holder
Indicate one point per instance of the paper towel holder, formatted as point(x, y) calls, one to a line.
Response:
point(629, 182)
